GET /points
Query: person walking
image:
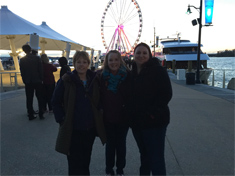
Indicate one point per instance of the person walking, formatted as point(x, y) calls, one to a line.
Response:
point(32, 76)
point(149, 111)
point(64, 66)
point(114, 93)
point(75, 105)
point(48, 82)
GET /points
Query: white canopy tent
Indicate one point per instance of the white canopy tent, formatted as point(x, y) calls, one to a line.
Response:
point(15, 32)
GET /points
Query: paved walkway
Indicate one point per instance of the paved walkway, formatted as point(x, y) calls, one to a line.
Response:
point(200, 137)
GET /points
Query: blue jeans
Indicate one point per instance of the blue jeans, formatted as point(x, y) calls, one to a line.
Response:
point(151, 144)
point(115, 145)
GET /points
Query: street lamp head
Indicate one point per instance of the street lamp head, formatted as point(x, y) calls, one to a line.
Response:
point(189, 10)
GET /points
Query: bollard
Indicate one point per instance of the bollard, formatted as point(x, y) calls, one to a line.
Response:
point(231, 84)
point(190, 78)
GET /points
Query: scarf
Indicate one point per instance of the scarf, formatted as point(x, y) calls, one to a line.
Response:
point(112, 81)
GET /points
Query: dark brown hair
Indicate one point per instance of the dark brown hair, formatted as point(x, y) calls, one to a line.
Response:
point(26, 48)
point(146, 46)
point(63, 61)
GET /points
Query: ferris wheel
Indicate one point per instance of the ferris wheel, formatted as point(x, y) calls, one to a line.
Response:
point(121, 25)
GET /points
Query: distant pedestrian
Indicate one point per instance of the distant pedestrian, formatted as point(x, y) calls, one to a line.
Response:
point(48, 82)
point(150, 94)
point(130, 63)
point(34, 52)
point(96, 61)
point(32, 76)
point(64, 66)
point(75, 105)
point(115, 79)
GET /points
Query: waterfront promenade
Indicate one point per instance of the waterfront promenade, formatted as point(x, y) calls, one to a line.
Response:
point(199, 141)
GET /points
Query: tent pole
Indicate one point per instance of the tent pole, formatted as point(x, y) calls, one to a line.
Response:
point(67, 50)
point(1, 67)
point(83, 48)
point(91, 57)
point(43, 42)
point(13, 50)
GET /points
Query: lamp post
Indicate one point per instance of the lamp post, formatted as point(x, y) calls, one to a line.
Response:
point(154, 43)
point(199, 45)
point(209, 13)
point(199, 39)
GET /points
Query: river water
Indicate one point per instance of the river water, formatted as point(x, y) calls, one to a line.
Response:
point(221, 66)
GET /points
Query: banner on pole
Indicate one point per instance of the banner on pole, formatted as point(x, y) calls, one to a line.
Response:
point(209, 6)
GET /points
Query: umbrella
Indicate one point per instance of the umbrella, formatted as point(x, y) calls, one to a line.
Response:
point(15, 32)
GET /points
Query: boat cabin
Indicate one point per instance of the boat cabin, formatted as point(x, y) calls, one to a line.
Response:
point(182, 53)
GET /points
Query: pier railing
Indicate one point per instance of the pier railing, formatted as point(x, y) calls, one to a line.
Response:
point(11, 80)
point(221, 77)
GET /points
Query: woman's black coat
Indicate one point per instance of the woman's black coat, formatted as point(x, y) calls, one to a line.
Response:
point(151, 92)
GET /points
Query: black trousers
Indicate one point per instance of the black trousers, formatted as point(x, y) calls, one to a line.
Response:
point(80, 151)
point(30, 88)
point(115, 150)
point(48, 90)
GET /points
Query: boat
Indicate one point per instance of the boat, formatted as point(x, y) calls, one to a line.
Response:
point(182, 54)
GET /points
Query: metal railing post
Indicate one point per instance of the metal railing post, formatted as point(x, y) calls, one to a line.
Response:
point(223, 78)
point(173, 66)
point(213, 79)
point(1, 84)
point(16, 84)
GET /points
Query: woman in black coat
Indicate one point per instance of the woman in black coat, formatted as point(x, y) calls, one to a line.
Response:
point(64, 66)
point(75, 102)
point(148, 108)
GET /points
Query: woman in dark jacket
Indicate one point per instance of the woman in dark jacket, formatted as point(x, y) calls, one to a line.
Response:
point(114, 92)
point(149, 112)
point(64, 66)
point(48, 82)
point(75, 102)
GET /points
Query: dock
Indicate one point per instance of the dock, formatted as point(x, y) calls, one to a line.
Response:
point(199, 139)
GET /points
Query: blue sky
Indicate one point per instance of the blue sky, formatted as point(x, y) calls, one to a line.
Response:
point(80, 20)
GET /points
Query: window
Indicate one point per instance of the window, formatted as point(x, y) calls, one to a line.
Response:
point(180, 50)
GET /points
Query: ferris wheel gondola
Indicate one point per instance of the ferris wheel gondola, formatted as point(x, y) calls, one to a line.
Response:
point(121, 25)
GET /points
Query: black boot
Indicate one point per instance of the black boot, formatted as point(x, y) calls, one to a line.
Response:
point(31, 117)
point(41, 117)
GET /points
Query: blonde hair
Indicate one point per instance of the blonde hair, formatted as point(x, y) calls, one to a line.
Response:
point(81, 54)
point(44, 58)
point(105, 64)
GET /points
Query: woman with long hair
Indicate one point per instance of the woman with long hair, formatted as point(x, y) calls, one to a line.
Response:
point(48, 82)
point(148, 109)
point(114, 93)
